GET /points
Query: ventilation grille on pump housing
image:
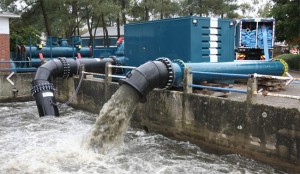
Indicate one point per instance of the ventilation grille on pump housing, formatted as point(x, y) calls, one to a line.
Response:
point(211, 41)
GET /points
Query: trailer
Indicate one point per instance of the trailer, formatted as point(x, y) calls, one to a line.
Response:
point(254, 38)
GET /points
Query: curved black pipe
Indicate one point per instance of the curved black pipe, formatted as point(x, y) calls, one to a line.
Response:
point(152, 74)
point(43, 89)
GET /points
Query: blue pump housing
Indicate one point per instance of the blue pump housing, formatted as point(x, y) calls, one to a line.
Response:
point(191, 39)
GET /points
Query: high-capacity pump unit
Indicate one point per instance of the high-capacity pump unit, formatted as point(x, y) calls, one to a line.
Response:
point(202, 44)
point(191, 39)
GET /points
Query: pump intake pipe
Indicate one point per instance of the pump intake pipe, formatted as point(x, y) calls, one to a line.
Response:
point(43, 90)
point(152, 74)
point(162, 73)
point(274, 67)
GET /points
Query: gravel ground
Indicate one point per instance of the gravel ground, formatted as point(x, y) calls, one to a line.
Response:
point(291, 89)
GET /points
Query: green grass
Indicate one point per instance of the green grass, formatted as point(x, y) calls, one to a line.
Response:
point(293, 60)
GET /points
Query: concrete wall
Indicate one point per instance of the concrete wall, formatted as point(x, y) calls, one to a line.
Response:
point(20, 91)
point(264, 133)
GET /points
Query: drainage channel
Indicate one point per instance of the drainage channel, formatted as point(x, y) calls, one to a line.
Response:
point(30, 144)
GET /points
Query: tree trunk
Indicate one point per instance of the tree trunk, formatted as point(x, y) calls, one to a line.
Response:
point(146, 16)
point(96, 27)
point(74, 18)
point(123, 6)
point(105, 32)
point(118, 27)
point(161, 10)
point(89, 25)
point(46, 19)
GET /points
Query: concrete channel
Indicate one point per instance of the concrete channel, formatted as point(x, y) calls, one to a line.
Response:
point(263, 131)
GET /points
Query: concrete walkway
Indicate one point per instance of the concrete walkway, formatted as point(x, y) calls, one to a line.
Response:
point(291, 89)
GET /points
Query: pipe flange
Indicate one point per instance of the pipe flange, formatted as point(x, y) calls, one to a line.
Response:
point(171, 74)
point(66, 67)
point(42, 87)
point(180, 63)
point(285, 65)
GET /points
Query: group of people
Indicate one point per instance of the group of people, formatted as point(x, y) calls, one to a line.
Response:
point(291, 51)
point(294, 51)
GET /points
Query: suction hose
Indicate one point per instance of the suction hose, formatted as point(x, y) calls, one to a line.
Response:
point(43, 90)
point(152, 74)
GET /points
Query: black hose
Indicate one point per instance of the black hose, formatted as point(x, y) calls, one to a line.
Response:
point(43, 89)
point(152, 74)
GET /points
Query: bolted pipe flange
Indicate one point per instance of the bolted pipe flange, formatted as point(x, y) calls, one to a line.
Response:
point(42, 87)
point(170, 69)
point(150, 75)
point(180, 63)
point(66, 67)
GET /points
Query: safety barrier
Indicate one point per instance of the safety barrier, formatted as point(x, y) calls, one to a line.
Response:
point(289, 79)
point(188, 85)
point(108, 72)
point(251, 91)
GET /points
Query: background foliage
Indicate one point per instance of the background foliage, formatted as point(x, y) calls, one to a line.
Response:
point(64, 18)
point(293, 60)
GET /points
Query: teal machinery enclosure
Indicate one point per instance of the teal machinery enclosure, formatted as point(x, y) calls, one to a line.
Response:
point(191, 39)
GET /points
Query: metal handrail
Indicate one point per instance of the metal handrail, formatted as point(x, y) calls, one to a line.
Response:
point(246, 76)
point(289, 79)
point(111, 75)
point(219, 88)
point(118, 66)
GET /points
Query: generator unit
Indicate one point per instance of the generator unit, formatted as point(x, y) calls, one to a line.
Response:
point(191, 39)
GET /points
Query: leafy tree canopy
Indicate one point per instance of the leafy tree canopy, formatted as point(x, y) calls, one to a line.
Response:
point(287, 16)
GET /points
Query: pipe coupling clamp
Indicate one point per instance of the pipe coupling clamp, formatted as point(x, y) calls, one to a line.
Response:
point(42, 87)
point(66, 67)
point(171, 76)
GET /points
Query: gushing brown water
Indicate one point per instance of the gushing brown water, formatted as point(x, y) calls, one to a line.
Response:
point(112, 123)
point(51, 145)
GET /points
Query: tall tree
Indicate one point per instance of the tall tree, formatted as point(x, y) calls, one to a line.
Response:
point(45, 16)
point(265, 10)
point(99, 13)
point(58, 18)
point(287, 16)
point(8, 5)
point(124, 4)
point(246, 8)
point(221, 8)
point(165, 9)
point(121, 18)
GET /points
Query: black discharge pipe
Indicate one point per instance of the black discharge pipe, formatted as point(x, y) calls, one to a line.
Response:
point(152, 74)
point(43, 90)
